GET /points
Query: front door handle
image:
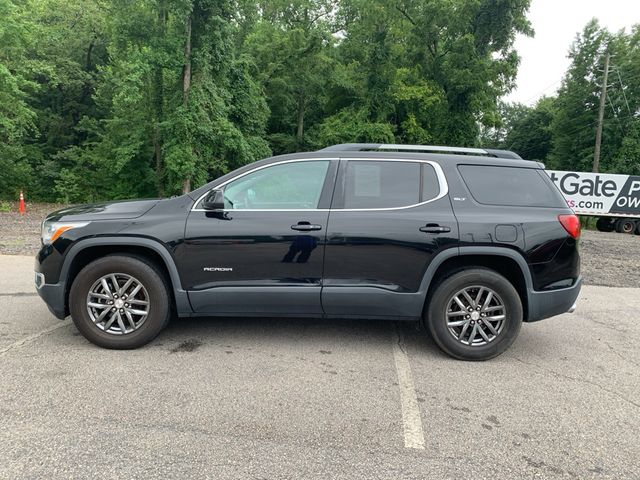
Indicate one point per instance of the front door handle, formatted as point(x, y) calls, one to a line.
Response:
point(306, 227)
point(434, 228)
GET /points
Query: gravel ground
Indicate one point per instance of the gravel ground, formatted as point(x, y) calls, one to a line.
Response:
point(20, 234)
point(608, 259)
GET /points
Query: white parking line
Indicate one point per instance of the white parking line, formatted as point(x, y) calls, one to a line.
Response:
point(411, 419)
point(31, 338)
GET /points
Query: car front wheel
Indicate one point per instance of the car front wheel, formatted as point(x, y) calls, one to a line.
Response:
point(120, 302)
point(474, 314)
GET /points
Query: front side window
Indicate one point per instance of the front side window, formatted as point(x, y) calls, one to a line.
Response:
point(295, 186)
point(388, 184)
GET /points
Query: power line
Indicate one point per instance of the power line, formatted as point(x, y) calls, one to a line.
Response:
point(615, 114)
point(588, 126)
point(622, 88)
point(541, 92)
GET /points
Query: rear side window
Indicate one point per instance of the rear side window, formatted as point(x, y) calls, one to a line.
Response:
point(522, 187)
point(388, 184)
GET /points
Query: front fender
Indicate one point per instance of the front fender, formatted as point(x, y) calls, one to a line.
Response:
point(182, 301)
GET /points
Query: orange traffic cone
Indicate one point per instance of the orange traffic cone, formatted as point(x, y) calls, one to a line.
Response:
point(22, 208)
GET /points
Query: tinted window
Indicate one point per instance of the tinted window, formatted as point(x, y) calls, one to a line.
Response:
point(524, 187)
point(295, 185)
point(380, 184)
point(430, 184)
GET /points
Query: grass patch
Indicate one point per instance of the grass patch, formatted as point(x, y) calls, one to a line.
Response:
point(588, 223)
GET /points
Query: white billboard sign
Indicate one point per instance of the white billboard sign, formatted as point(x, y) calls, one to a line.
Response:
point(599, 193)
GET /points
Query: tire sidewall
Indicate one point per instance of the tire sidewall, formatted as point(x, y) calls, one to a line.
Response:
point(620, 224)
point(145, 273)
point(437, 319)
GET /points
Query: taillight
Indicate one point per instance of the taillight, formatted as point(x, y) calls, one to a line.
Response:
point(571, 224)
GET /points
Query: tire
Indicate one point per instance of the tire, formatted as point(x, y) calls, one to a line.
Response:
point(625, 225)
point(139, 329)
point(605, 224)
point(472, 280)
point(637, 227)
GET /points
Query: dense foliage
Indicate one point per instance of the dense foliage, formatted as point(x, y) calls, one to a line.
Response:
point(108, 99)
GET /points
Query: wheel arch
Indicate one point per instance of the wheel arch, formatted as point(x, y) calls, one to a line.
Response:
point(507, 262)
point(88, 250)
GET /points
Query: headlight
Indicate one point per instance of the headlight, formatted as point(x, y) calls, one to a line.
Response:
point(52, 230)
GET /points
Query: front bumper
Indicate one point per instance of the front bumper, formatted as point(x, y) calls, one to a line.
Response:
point(553, 302)
point(53, 295)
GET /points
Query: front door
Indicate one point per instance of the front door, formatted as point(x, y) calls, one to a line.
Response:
point(388, 220)
point(264, 252)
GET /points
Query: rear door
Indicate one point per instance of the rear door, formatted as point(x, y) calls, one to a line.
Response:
point(388, 220)
point(263, 253)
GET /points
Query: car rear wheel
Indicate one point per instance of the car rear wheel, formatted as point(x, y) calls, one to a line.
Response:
point(474, 314)
point(120, 302)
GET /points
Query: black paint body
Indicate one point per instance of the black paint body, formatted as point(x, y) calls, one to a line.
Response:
point(365, 263)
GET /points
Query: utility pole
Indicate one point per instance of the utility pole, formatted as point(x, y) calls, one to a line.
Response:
point(603, 98)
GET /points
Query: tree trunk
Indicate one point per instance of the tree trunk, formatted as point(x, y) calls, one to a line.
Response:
point(87, 90)
point(87, 62)
point(301, 105)
point(186, 77)
point(157, 153)
point(159, 108)
point(186, 86)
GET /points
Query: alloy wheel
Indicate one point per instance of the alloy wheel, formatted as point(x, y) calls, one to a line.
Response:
point(118, 303)
point(476, 316)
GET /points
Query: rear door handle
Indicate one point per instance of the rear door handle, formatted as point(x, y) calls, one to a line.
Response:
point(306, 227)
point(433, 228)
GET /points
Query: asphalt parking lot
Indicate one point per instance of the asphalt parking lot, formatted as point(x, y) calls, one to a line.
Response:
point(289, 399)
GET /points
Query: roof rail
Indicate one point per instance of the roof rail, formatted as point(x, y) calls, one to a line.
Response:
point(360, 147)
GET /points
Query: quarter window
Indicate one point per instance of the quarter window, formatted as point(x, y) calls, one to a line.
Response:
point(430, 185)
point(295, 186)
point(388, 184)
point(513, 186)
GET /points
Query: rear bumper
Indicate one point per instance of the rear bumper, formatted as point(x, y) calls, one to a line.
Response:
point(554, 302)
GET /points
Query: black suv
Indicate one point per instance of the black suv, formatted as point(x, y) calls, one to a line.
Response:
point(471, 242)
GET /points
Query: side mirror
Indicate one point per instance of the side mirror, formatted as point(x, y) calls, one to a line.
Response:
point(214, 200)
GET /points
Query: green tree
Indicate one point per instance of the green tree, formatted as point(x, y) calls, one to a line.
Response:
point(178, 104)
point(211, 130)
point(17, 118)
point(495, 133)
point(628, 156)
point(530, 135)
point(291, 44)
point(69, 49)
point(104, 99)
point(461, 56)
